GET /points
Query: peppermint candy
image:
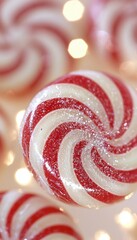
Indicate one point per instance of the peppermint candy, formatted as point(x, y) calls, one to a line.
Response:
point(115, 28)
point(79, 138)
point(29, 216)
point(34, 38)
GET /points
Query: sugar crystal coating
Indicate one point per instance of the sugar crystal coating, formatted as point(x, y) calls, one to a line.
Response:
point(79, 138)
point(29, 216)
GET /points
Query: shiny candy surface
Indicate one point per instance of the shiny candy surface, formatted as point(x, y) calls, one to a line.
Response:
point(114, 29)
point(29, 216)
point(33, 37)
point(79, 134)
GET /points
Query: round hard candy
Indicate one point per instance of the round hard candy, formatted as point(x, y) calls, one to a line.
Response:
point(34, 39)
point(29, 216)
point(79, 138)
point(114, 29)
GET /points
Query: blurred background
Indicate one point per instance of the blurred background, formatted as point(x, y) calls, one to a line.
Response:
point(39, 42)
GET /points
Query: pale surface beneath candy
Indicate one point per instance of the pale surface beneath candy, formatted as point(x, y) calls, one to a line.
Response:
point(88, 220)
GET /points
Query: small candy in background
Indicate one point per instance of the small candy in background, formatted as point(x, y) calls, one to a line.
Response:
point(114, 33)
point(34, 41)
point(29, 216)
point(78, 134)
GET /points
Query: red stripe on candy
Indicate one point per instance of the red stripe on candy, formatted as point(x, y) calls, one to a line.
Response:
point(95, 89)
point(125, 176)
point(54, 30)
point(64, 103)
point(51, 105)
point(91, 188)
point(43, 70)
point(31, 7)
point(26, 135)
point(63, 229)
point(127, 104)
point(124, 14)
point(35, 217)
point(50, 156)
point(14, 209)
point(16, 64)
point(1, 195)
point(121, 149)
point(1, 147)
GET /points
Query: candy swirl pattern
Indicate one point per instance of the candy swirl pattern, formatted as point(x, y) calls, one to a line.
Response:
point(34, 38)
point(115, 28)
point(29, 216)
point(79, 138)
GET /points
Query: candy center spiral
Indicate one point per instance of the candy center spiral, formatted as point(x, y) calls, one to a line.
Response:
point(78, 136)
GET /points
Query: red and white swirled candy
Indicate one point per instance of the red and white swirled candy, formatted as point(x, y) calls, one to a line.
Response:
point(29, 216)
point(34, 38)
point(79, 138)
point(115, 26)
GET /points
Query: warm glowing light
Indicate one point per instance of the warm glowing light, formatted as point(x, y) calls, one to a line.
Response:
point(13, 135)
point(10, 158)
point(129, 67)
point(102, 235)
point(77, 48)
point(61, 209)
point(19, 117)
point(73, 10)
point(126, 219)
point(129, 196)
point(23, 176)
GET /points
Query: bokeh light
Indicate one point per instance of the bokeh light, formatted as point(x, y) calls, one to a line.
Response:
point(19, 117)
point(102, 235)
point(129, 68)
point(10, 158)
point(78, 48)
point(126, 219)
point(73, 10)
point(23, 176)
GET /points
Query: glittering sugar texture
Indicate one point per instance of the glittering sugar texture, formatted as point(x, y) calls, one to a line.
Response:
point(79, 138)
point(114, 25)
point(29, 216)
point(34, 38)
